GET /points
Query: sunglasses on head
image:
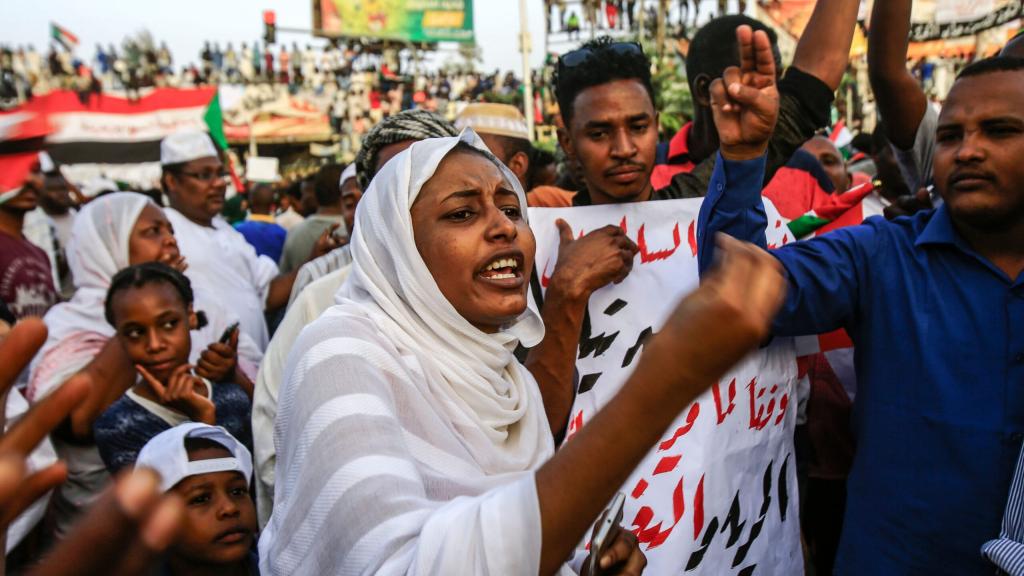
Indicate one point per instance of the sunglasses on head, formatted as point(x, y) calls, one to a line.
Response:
point(582, 55)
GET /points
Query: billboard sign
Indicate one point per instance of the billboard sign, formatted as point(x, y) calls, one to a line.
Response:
point(401, 20)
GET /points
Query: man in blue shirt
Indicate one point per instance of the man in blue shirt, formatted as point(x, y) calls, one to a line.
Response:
point(935, 306)
point(259, 227)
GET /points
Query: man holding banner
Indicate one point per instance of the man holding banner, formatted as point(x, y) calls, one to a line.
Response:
point(939, 430)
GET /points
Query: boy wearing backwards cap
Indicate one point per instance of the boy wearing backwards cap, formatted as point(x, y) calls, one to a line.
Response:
point(210, 470)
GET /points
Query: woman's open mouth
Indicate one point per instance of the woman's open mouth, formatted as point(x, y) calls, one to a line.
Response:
point(504, 271)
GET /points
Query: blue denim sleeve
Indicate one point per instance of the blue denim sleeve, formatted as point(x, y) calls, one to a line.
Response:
point(732, 206)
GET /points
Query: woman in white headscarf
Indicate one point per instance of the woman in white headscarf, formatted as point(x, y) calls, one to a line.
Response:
point(111, 233)
point(409, 438)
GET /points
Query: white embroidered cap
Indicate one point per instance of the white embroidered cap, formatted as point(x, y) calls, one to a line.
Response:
point(493, 118)
point(165, 453)
point(185, 146)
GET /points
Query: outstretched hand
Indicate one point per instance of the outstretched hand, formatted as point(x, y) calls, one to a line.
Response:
point(18, 487)
point(745, 100)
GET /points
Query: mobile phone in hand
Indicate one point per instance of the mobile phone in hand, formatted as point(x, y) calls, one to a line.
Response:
point(604, 529)
point(226, 336)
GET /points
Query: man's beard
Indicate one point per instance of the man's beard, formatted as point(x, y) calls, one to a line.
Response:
point(990, 219)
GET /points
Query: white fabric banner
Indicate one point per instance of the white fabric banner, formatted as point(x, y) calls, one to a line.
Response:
point(960, 10)
point(718, 494)
point(123, 128)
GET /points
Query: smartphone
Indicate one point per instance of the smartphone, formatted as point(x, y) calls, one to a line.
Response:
point(226, 336)
point(609, 520)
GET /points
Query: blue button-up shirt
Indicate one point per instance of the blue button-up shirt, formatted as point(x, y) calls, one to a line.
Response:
point(939, 338)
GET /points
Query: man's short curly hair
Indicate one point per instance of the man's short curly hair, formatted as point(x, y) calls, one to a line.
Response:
point(604, 65)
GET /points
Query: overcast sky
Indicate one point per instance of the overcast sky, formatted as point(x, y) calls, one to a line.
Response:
point(186, 24)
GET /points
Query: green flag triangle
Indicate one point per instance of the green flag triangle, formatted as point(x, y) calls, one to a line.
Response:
point(215, 121)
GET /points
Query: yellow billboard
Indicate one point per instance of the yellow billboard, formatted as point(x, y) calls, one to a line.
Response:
point(402, 20)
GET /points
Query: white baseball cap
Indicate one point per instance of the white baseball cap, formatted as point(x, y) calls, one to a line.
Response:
point(349, 172)
point(165, 453)
point(185, 146)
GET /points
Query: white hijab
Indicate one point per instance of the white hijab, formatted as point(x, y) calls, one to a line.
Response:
point(489, 397)
point(97, 249)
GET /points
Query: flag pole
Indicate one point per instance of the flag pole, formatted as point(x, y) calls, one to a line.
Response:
point(524, 47)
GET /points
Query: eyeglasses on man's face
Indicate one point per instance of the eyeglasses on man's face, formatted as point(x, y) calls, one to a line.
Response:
point(207, 175)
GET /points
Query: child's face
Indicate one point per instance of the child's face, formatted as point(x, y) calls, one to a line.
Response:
point(220, 517)
point(153, 325)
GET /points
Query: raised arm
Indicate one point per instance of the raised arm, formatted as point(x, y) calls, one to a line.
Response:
point(823, 50)
point(745, 104)
point(824, 274)
point(824, 47)
point(601, 257)
point(901, 101)
point(806, 92)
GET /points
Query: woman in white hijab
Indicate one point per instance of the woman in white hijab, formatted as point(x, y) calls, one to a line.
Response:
point(409, 438)
point(110, 233)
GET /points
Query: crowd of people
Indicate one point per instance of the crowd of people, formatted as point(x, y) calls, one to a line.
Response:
point(346, 374)
point(384, 81)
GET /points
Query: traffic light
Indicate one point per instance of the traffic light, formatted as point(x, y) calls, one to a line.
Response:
point(269, 26)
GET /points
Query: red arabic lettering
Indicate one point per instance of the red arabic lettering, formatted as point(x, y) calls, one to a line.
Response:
point(692, 237)
point(646, 256)
point(654, 536)
point(761, 415)
point(716, 393)
point(691, 418)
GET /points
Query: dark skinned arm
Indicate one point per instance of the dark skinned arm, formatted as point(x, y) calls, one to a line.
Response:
point(824, 47)
point(551, 362)
point(817, 69)
point(599, 258)
point(280, 289)
point(901, 101)
point(709, 332)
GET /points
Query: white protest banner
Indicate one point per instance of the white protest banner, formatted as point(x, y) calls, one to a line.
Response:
point(718, 494)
